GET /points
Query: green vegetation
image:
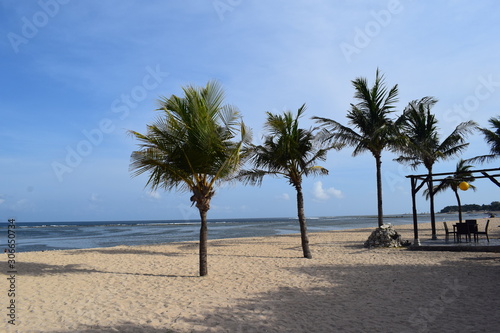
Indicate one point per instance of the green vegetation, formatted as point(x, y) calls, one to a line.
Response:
point(494, 206)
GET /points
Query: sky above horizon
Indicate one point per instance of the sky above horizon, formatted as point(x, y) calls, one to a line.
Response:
point(76, 75)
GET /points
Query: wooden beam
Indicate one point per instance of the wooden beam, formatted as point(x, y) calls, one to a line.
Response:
point(421, 184)
point(491, 178)
point(452, 173)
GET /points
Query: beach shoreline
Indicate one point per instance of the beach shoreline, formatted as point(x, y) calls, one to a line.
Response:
point(258, 284)
point(80, 235)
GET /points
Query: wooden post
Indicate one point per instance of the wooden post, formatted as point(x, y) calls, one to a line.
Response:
point(431, 199)
point(416, 241)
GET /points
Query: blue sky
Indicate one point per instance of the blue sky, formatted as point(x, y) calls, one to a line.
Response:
point(76, 75)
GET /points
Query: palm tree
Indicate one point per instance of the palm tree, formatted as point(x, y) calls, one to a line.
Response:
point(492, 137)
point(372, 129)
point(291, 152)
point(190, 148)
point(422, 142)
point(462, 174)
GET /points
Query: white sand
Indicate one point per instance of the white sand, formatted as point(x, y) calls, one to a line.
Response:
point(258, 285)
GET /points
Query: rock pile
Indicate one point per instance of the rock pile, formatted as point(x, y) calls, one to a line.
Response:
point(385, 236)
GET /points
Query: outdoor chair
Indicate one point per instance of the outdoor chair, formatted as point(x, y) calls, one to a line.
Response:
point(485, 232)
point(462, 229)
point(448, 232)
point(472, 226)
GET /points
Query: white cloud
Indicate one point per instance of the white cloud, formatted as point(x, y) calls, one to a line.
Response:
point(283, 196)
point(154, 195)
point(94, 198)
point(21, 204)
point(324, 194)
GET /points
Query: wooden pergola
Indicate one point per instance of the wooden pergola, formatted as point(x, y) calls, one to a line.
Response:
point(429, 178)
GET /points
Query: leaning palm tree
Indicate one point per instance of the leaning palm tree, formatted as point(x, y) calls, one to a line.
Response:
point(492, 137)
point(462, 174)
point(372, 130)
point(190, 148)
point(291, 152)
point(422, 144)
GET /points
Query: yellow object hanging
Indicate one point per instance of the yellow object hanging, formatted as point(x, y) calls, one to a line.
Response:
point(464, 186)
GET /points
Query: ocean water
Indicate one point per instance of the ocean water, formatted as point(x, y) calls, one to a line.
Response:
point(33, 236)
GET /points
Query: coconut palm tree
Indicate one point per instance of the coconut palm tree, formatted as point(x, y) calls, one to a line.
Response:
point(492, 137)
point(423, 144)
point(462, 174)
point(372, 130)
point(190, 148)
point(290, 152)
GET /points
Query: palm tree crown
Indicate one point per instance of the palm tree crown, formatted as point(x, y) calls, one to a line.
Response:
point(190, 147)
point(422, 143)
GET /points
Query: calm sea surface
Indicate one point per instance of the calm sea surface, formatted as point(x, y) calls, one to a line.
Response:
point(32, 236)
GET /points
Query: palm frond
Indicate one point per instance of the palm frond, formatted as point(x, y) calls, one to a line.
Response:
point(316, 170)
point(483, 158)
point(253, 176)
point(457, 137)
point(492, 138)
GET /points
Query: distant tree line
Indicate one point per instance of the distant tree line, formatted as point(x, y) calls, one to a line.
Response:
point(494, 206)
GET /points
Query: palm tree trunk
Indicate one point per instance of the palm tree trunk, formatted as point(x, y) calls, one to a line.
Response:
point(459, 206)
point(380, 211)
point(203, 241)
point(431, 199)
point(302, 222)
point(202, 199)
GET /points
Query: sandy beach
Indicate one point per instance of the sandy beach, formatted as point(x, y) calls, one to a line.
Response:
point(257, 285)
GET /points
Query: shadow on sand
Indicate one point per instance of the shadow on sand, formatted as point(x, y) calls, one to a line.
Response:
point(371, 298)
point(120, 250)
point(122, 328)
point(39, 269)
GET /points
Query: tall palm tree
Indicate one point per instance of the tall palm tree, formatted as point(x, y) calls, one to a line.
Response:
point(291, 152)
point(372, 130)
point(492, 137)
point(190, 148)
point(423, 144)
point(462, 174)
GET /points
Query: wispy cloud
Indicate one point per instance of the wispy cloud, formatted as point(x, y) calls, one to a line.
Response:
point(283, 196)
point(95, 198)
point(154, 195)
point(321, 193)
